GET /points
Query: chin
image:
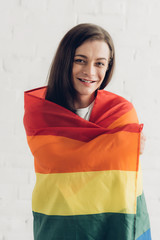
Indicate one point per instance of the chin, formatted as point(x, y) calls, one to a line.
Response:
point(87, 93)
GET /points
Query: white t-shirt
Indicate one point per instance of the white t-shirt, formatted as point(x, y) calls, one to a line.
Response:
point(85, 112)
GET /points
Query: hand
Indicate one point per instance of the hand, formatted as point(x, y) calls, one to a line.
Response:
point(142, 142)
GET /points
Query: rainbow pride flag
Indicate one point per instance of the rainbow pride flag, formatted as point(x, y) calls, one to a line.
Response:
point(88, 176)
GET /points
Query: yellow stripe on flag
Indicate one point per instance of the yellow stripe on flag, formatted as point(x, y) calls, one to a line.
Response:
point(86, 193)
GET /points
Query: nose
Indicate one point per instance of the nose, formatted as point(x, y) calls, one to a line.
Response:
point(89, 69)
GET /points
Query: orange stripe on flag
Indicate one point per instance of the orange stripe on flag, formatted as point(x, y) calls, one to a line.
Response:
point(116, 151)
point(127, 118)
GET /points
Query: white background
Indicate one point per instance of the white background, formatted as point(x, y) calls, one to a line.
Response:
point(30, 31)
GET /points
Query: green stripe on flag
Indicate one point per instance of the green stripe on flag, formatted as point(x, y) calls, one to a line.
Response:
point(102, 226)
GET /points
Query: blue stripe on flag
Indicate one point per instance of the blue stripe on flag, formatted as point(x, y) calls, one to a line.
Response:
point(145, 236)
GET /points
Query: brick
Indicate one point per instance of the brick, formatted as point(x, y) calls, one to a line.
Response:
point(33, 5)
point(16, 227)
point(16, 208)
point(112, 23)
point(19, 161)
point(25, 192)
point(155, 227)
point(137, 17)
point(154, 180)
point(14, 176)
point(8, 191)
point(155, 72)
point(91, 7)
point(113, 7)
point(32, 177)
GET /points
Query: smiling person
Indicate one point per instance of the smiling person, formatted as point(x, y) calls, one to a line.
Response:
point(86, 142)
point(89, 69)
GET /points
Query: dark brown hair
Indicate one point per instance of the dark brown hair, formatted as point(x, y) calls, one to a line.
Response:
point(60, 88)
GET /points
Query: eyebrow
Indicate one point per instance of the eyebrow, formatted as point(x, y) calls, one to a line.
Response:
point(80, 55)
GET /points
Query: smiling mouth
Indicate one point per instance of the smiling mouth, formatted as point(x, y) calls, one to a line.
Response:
point(86, 81)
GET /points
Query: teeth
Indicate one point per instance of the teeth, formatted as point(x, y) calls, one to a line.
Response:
point(86, 81)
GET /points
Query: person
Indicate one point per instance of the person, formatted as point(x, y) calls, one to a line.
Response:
point(86, 143)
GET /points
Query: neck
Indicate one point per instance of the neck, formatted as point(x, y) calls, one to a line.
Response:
point(84, 101)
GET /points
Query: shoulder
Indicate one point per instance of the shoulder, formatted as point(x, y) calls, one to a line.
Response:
point(111, 108)
point(106, 97)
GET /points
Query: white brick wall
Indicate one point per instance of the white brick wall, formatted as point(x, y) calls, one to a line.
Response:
point(29, 34)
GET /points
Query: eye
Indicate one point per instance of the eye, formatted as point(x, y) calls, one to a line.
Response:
point(79, 61)
point(100, 64)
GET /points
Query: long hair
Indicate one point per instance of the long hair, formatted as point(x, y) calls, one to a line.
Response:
point(60, 88)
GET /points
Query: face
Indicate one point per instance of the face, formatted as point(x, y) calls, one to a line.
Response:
point(89, 67)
